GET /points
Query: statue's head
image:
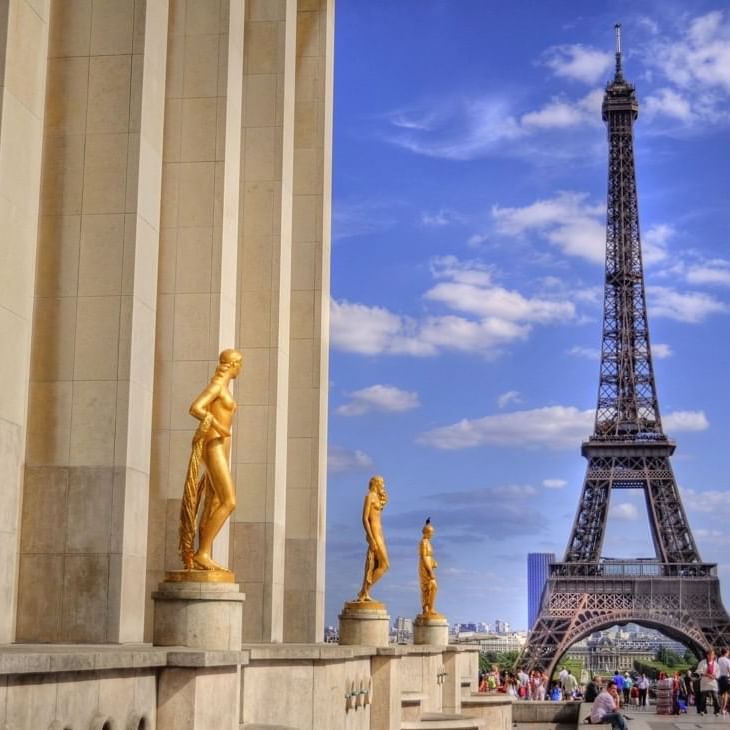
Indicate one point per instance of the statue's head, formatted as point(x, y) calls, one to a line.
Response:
point(230, 361)
point(376, 483)
point(428, 528)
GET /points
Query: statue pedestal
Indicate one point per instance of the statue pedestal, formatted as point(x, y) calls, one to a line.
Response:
point(198, 615)
point(432, 629)
point(364, 623)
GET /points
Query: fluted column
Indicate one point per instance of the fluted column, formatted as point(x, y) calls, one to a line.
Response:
point(85, 502)
point(196, 315)
point(308, 358)
point(265, 244)
point(23, 48)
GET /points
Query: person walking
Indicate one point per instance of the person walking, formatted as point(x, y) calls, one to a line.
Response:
point(708, 671)
point(723, 679)
point(643, 684)
point(628, 684)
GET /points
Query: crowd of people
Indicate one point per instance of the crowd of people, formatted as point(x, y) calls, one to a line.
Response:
point(705, 688)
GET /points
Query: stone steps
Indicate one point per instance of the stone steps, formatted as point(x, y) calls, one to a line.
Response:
point(444, 721)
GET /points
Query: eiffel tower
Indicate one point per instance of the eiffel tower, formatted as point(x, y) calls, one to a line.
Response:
point(675, 591)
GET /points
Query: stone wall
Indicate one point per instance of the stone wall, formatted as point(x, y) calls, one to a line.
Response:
point(302, 687)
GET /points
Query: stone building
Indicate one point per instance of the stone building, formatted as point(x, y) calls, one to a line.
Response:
point(165, 174)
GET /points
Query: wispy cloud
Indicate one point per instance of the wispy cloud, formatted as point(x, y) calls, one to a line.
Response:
point(340, 460)
point(589, 353)
point(695, 66)
point(661, 351)
point(440, 218)
point(713, 272)
point(579, 63)
point(654, 243)
point(561, 113)
point(350, 219)
point(554, 427)
point(511, 396)
point(711, 500)
point(566, 220)
point(691, 307)
point(554, 483)
point(489, 317)
point(625, 511)
point(460, 128)
point(382, 398)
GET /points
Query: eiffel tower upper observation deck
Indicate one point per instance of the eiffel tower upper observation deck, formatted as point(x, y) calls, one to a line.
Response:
point(674, 591)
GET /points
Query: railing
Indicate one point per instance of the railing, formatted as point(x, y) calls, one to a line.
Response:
point(633, 569)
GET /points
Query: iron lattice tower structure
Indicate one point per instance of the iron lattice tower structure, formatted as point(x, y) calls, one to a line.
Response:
point(675, 591)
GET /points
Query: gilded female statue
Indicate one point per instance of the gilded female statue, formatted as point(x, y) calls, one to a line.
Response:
point(214, 408)
point(376, 560)
point(426, 572)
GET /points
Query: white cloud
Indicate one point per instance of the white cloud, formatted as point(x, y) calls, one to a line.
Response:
point(715, 271)
point(668, 103)
point(469, 289)
point(511, 396)
point(567, 220)
point(691, 307)
point(374, 331)
point(624, 511)
point(554, 483)
point(701, 58)
point(685, 421)
point(579, 62)
point(562, 113)
point(696, 68)
point(343, 460)
point(660, 351)
point(494, 317)
point(708, 501)
point(589, 353)
point(555, 427)
point(383, 398)
point(654, 243)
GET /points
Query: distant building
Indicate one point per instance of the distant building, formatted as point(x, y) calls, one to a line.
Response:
point(538, 571)
point(403, 630)
point(501, 627)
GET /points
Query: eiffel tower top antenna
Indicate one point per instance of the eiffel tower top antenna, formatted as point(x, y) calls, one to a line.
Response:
point(619, 70)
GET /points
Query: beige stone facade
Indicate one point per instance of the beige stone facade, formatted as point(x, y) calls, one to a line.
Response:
point(164, 193)
point(165, 175)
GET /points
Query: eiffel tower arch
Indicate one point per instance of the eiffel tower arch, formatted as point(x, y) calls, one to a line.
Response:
point(675, 591)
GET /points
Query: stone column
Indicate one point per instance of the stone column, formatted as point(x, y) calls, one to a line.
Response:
point(198, 250)
point(309, 346)
point(264, 293)
point(84, 536)
point(23, 49)
point(385, 710)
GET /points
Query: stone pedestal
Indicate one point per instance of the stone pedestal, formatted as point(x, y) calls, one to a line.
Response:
point(364, 623)
point(432, 629)
point(198, 615)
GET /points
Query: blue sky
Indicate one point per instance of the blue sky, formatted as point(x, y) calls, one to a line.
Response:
point(470, 168)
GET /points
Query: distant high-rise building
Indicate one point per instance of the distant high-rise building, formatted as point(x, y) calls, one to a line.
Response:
point(501, 627)
point(538, 571)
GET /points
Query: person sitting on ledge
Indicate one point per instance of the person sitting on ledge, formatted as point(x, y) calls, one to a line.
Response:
point(605, 708)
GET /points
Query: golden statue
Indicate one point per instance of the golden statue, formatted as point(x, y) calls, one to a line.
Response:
point(376, 560)
point(426, 573)
point(214, 408)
